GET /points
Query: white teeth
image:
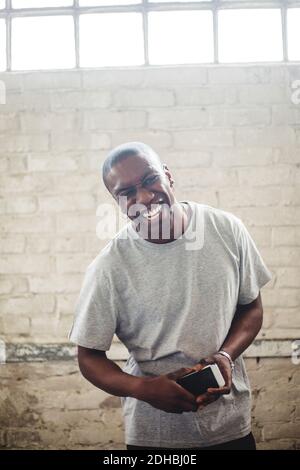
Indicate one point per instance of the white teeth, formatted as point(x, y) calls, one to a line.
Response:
point(152, 213)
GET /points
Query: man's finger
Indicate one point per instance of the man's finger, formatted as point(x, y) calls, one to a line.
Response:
point(203, 398)
point(206, 401)
point(219, 391)
point(186, 395)
point(198, 367)
point(179, 373)
point(188, 406)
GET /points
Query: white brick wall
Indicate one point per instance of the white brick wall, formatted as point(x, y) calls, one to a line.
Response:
point(58, 409)
point(230, 135)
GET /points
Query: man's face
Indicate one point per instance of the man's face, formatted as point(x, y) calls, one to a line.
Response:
point(141, 180)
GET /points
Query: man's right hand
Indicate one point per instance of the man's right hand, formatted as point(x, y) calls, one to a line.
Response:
point(162, 392)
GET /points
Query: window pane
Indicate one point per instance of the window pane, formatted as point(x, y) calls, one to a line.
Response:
point(95, 3)
point(250, 35)
point(41, 3)
point(293, 25)
point(2, 45)
point(43, 42)
point(2, 4)
point(111, 39)
point(180, 37)
point(180, 1)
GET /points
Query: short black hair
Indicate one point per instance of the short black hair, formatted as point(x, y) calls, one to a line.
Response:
point(125, 150)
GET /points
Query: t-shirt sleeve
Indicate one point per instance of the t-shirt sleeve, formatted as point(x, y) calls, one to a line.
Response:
point(254, 274)
point(95, 318)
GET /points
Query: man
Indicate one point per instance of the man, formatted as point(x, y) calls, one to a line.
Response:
point(178, 298)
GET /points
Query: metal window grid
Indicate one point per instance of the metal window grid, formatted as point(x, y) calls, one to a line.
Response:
point(144, 7)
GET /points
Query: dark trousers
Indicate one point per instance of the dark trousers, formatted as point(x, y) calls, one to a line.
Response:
point(244, 443)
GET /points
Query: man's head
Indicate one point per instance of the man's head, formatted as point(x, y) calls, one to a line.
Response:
point(135, 171)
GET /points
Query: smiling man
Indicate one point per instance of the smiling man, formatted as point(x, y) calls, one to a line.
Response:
point(155, 213)
point(180, 287)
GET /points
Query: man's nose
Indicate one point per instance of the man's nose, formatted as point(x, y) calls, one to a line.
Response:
point(144, 196)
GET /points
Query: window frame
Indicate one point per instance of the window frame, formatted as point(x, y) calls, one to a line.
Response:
point(145, 6)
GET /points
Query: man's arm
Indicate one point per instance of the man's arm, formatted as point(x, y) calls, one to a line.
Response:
point(244, 328)
point(161, 391)
point(106, 374)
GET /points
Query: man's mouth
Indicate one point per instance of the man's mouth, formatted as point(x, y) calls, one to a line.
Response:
point(151, 214)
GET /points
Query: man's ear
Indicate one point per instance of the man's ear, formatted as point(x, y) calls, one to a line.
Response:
point(168, 173)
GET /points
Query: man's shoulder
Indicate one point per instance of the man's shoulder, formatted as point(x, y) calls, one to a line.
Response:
point(218, 214)
point(110, 254)
point(220, 218)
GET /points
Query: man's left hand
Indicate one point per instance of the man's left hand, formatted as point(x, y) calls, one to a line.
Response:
point(212, 394)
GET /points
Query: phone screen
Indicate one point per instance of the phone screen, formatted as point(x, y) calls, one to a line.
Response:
point(198, 382)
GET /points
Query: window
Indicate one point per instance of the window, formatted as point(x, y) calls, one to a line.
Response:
point(111, 39)
point(2, 45)
point(64, 34)
point(250, 35)
point(193, 44)
point(293, 39)
point(170, 1)
point(34, 46)
point(94, 3)
point(41, 3)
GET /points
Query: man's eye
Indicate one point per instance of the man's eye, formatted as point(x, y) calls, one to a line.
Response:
point(151, 179)
point(128, 193)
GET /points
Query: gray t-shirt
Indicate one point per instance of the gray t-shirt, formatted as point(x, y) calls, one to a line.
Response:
point(172, 304)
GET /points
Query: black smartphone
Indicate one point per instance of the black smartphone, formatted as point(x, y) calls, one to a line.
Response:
point(198, 382)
